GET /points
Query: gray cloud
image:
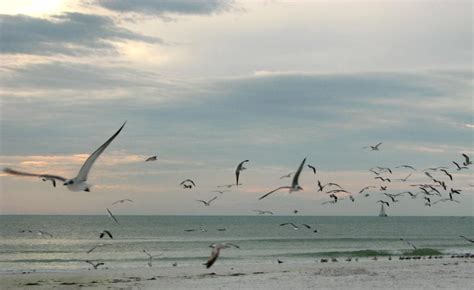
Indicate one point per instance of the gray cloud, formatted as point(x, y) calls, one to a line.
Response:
point(162, 7)
point(67, 34)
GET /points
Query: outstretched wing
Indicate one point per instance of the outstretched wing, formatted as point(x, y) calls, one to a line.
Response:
point(267, 194)
point(212, 258)
point(22, 173)
point(294, 184)
point(111, 215)
point(84, 171)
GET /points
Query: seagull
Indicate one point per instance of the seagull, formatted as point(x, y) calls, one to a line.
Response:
point(207, 203)
point(111, 215)
point(467, 160)
point(122, 201)
point(406, 166)
point(383, 179)
point(279, 261)
point(312, 168)
point(99, 245)
point(442, 183)
point(392, 197)
point(428, 174)
point(295, 227)
point(447, 173)
point(95, 265)
point(263, 211)
point(287, 176)
point(332, 195)
point(186, 181)
point(106, 232)
point(306, 226)
point(383, 188)
point(460, 167)
point(414, 247)
point(294, 184)
point(41, 233)
point(77, 183)
point(150, 257)
point(365, 188)
point(406, 178)
point(321, 186)
point(25, 231)
point(152, 158)
point(373, 148)
point(384, 202)
point(215, 252)
point(469, 240)
point(239, 168)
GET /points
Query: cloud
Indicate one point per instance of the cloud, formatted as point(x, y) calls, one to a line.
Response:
point(163, 7)
point(73, 34)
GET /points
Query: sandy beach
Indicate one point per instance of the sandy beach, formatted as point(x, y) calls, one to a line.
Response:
point(445, 273)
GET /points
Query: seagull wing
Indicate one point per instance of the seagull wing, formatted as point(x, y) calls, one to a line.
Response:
point(294, 184)
point(84, 171)
point(22, 173)
point(111, 215)
point(213, 257)
point(267, 194)
point(92, 250)
point(109, 234)
point(212, 199)
point(312, 168)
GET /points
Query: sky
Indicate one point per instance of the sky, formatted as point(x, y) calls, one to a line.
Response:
point(206, 84)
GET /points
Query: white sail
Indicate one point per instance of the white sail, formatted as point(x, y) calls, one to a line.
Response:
point(382, 211)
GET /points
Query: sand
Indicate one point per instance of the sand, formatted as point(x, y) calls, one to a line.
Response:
point(446, 273)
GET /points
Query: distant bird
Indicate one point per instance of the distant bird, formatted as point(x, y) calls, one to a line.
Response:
point(365, 188)
point(427, 199)
point(428, 174)
point(106, 232)
point(383, 188)
point(384, 202)
point(77, 183)
point(295, 227)
point(383, 179)
point(295, 211)
point(207, 203)
point(337, 191)
point(150, 258)
point(190, 230)
point(374, 147)
point(263, 211)
point(25, 231)
point(436, 168)
point(279, 261)
point(312, 168)
point(220, 191)
point(306, 226)
point(287, 175)
point(122, 201)
point(152, 158)
point(43, 233)
point(95, 265)
point(221, 230)
point(294, 185)
point(459, 167)
point(467, 161)
point(185, 185)
point(97, 246)
point(447, 173)
point(332, 195)
point(175, 264)
point(216, 251)
point(406, 178)
point(469, 240)
point(239, 168)
point(406, 166)
point(414, 247)
point(321, 186)
point(111, 215)
point(351, 198)
point(456, 191)
point(442, 183)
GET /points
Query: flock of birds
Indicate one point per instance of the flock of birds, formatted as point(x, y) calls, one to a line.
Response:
point(438, 188)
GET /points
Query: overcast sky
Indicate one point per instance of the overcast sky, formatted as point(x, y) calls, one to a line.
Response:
point(206, 84)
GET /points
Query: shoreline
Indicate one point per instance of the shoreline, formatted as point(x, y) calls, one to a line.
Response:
point(445, 273)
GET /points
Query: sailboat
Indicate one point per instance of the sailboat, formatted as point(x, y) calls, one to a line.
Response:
point(382, 210)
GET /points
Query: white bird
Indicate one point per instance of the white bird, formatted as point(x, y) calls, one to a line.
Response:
point(294, 184)
point(207, 203)
point(374, 147)
point(152, 158)
point(41, 233)
point(295, 227)
point(122, 201)
point(95, 265)
point(216, 251)
point(77, 183)
point(106, 232)
point(239, 168)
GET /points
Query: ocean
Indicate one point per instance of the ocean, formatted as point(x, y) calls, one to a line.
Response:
point(261, 239)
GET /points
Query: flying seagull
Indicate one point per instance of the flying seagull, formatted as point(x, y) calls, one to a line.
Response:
point(447, 173)
point(41, 233)
point(467, 160)
point(122, 201)
point(294, 185)
point(77, 183)
point(95, 265)
point(459, 167)
point(406, 178)
point(263, 211)
point(183, 183)
point(365, 188)
point(152, 158)
point(239, 168)
point(312, 168)
point(287, 175)
point(207, 203)
point(373, 148)
point(216, 251)
point(97, 246)
point(106, 232)
point(384, 202)
point(414, 247)
point(295, 227)
point(406, 166)
point(111, 215)
point(469, 240)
